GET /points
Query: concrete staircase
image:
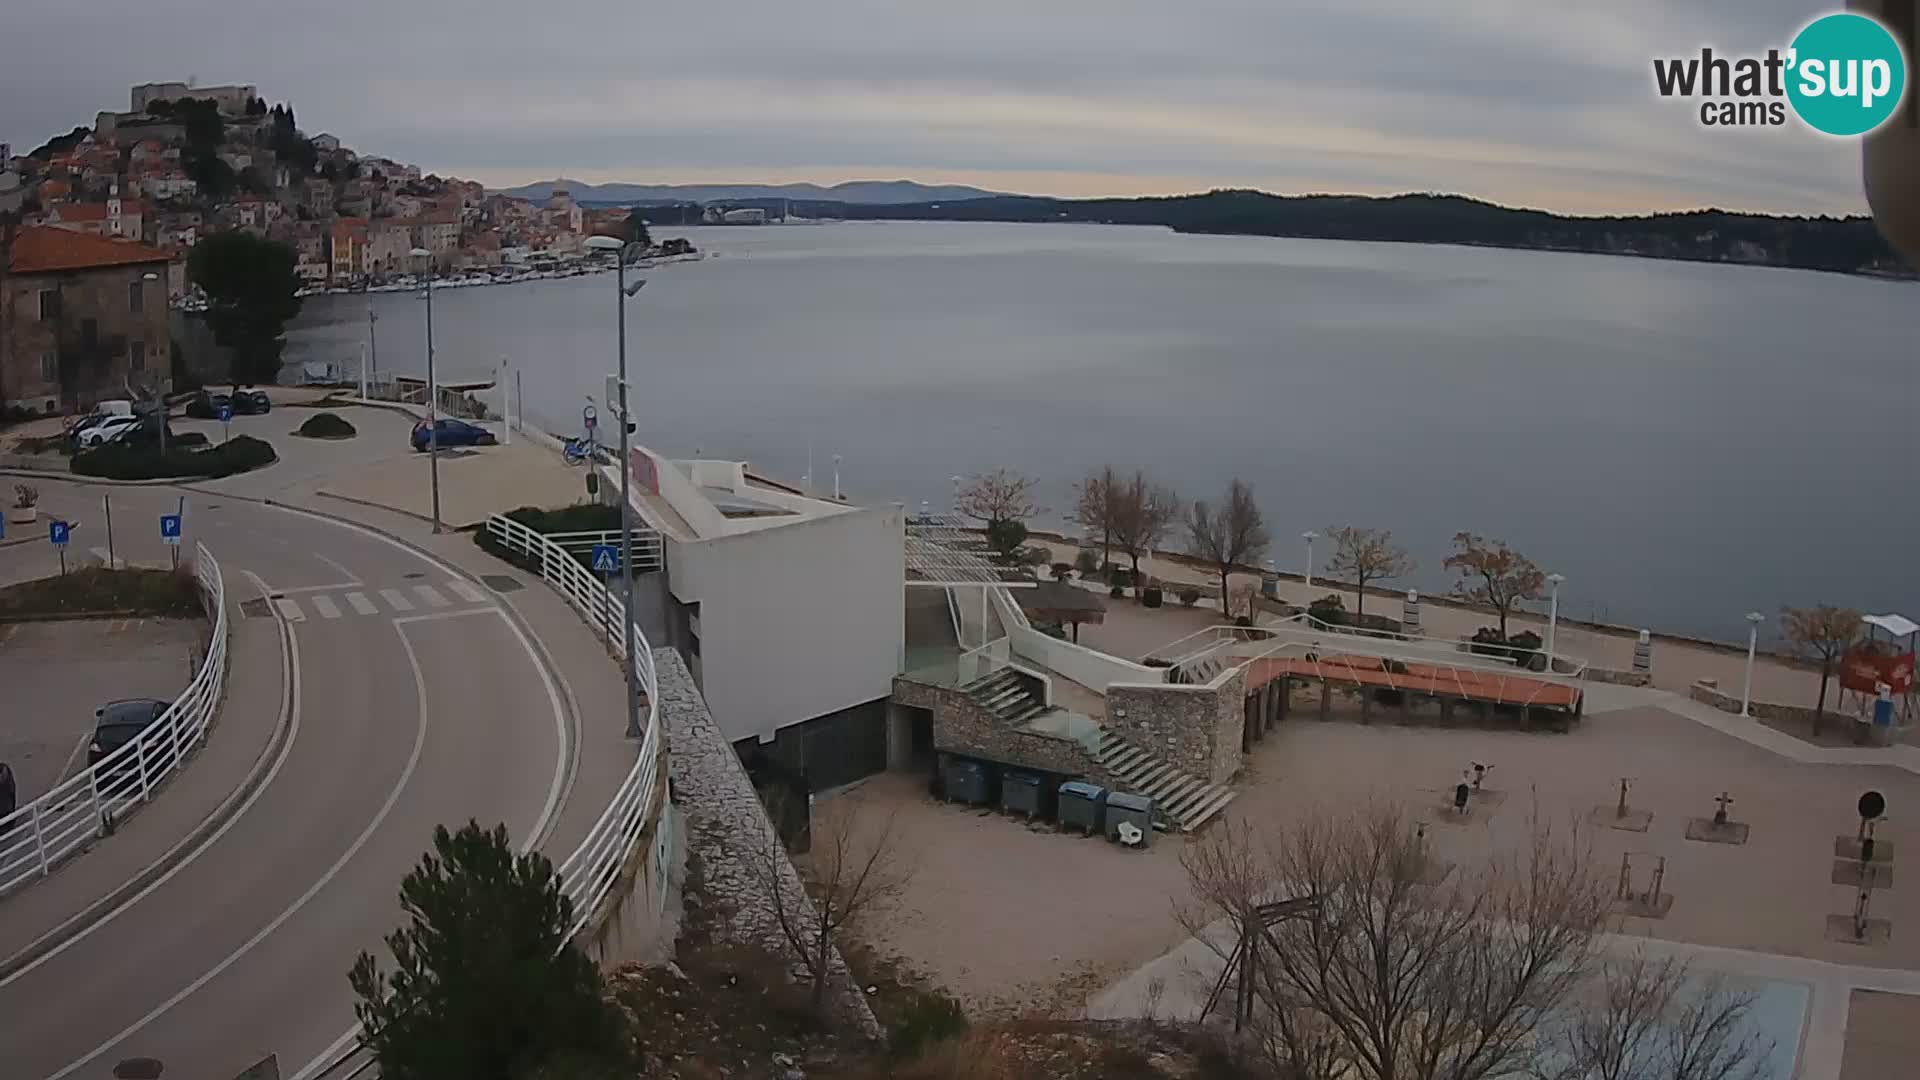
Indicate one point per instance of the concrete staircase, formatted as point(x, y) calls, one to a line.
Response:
point(1006, 694)
point(1186, 801)
point(1198, 671)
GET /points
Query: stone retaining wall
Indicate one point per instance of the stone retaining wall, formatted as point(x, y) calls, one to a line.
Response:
point(1708, 694)
point(960, 726)
point(1196, 729)
point(1621, 678)
point(725, 821)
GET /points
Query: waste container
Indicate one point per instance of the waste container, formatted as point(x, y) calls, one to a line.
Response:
point(1020, 793)
point(1131, 810)
point(1082, 805)
point(967, 782)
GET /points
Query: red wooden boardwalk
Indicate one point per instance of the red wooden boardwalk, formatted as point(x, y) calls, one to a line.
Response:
point(1466, 684)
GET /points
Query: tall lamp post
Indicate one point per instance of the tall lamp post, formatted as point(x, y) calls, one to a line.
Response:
point(1553, 614)
point(433, 395)
point(622, 250)
point(1754, 619)
point(1309, 536)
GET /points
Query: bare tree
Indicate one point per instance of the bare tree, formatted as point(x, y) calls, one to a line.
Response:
point(1493, 575)
point(1228, 535)
point(1095, 499)
point(1002, 495)
point(1143, 512)
point(1821, 633)
point(1364, 555)
point(1394, 978)
point(1647, 1019)
point(853, 864)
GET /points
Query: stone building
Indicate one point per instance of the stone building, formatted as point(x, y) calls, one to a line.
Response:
point(81, 318)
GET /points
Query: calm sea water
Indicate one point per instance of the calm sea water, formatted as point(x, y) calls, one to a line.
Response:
point(1685, 442)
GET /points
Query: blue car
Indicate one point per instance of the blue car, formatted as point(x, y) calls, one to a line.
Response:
point(452, 433)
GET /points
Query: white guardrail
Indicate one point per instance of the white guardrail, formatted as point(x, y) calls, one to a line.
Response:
point(90, 803)
point(589, 874)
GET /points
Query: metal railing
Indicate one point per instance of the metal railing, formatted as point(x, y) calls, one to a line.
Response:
point(90, 803)
point(589, 874)
point(647, 551)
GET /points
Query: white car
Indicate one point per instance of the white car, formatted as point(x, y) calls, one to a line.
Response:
point(106, 430)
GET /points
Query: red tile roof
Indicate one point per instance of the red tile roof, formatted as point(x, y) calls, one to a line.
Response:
point(44, 249)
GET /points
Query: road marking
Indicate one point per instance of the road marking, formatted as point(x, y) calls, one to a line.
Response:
point(335, 587)
point(290, 714)
point(324, 604)
point(432, 596)
point(393, 797)
point(467, 592)
point(361, 604)
point(396, 599)
point(348, 574)
point(290, 609)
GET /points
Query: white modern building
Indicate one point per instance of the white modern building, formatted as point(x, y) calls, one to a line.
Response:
point(789, 607)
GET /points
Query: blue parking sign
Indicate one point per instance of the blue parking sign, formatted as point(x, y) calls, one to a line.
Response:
point(58, 531)
point(226, 413)
point(170, 528)
point(606, 558)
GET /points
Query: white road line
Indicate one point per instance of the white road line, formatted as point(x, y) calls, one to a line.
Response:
point(396, 599)
point(467, 592)
point(324, 604)
point(406, 774)
point(432, 596)
point(290, 609)
point(290, 713)
point(343, 570)
point(361, 604)
point(335, 587)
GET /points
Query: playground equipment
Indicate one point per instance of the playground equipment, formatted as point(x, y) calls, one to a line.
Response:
point(1654, 901)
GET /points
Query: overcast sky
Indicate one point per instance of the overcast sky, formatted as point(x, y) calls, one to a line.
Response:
point(1543, 103)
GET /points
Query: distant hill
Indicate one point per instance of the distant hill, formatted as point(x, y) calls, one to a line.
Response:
point(862, 192)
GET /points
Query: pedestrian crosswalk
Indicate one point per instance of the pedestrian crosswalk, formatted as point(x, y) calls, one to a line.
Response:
point(379, 601)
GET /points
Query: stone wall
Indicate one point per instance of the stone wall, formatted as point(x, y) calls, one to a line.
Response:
point(1194, 728)
point(960, 726)
point(725, 823)
point(1709, 694)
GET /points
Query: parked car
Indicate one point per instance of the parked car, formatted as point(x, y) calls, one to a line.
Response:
point(452, 432)
point(205, 406)
point(146, 432)
point(118, 723)
point(251, 402)
point(107, 430)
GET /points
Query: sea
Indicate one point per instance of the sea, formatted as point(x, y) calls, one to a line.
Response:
point(1685, 442)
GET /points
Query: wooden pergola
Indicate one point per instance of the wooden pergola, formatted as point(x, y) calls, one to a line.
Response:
point(1063, 604)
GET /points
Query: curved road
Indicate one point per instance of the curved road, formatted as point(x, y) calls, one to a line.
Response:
point(413, 700)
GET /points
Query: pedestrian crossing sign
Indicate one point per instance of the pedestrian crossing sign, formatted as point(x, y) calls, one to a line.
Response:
point(606, 558)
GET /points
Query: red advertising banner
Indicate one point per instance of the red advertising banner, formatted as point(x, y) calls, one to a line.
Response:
point(1864, 671)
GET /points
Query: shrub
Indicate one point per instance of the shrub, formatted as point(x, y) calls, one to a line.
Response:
point(117, 462)
point(1117, 591)
point(1329, 609)
point(184, 439)
point(1152, 596)
point(931, 1017)
point(1086, 562)
point(1155, 661)
point(26, 496)
point(1119, 575)
point(326, 425)
point(583, 517)
point(1006, 538)
point(1189, 596)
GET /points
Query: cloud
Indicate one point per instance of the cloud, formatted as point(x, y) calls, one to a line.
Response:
point(1545, 103)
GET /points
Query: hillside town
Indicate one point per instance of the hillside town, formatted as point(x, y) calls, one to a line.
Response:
point(97, 222)
point(184, 161)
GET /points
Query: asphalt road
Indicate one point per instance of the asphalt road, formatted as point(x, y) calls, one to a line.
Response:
point(415, 702)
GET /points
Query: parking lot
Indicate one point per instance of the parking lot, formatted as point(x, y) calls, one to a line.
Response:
point(56, 673)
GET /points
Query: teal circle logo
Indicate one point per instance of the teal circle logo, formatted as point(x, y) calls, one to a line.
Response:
point(1846, 75)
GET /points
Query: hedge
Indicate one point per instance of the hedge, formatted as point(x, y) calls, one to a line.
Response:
point(116, 462)
point(585, 517)
point(326, 425)
point(98, 590)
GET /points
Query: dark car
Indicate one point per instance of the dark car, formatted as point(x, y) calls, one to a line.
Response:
point(205, 406)
point(117, 723)
point(451, 432)
point(251, 402)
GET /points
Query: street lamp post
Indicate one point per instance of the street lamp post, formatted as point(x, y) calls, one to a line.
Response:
point(433, 396)
point(622, 293)
point(1553, 615)
point(1309, 536)
point(1754, 619)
